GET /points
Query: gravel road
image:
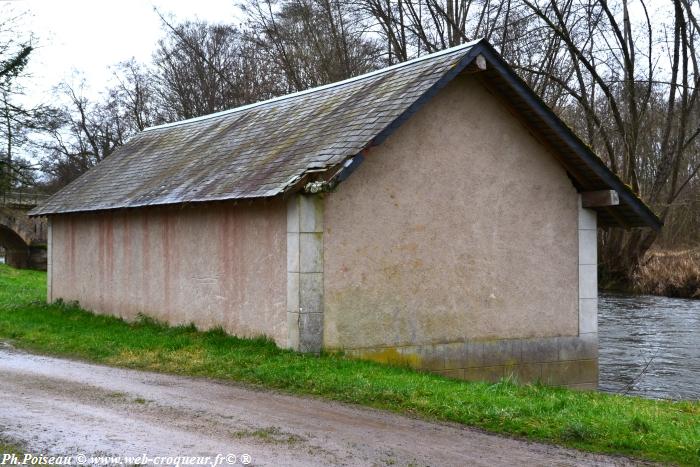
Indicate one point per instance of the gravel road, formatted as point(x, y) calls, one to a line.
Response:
point(59, 406)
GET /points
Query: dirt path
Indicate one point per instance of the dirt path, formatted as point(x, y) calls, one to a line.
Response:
point(66, 407)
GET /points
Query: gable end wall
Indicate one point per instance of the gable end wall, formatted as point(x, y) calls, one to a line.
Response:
point(455, 247)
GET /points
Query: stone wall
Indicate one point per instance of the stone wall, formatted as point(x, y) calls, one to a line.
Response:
point(305, 302)
point(23, 238)
point(570, 361)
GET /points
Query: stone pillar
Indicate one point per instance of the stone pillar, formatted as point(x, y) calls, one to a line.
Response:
point(305, 273)
point(588, 284)
point(587, 271)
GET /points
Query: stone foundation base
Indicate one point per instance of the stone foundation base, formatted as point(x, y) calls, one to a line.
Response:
point(32, 257)
point(37, 257)
point(558, 361)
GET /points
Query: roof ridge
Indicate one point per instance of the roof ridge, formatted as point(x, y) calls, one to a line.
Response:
point(317, 88)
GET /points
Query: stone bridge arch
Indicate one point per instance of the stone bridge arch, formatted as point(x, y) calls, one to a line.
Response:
point(23, 238)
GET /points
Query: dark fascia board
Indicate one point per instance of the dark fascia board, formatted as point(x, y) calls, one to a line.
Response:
point(464, 62)
point(522, 90)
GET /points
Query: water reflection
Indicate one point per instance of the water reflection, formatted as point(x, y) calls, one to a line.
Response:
point(649, 346)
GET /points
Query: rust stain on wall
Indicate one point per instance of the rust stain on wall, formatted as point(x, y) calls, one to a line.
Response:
point(145, 264)
point(216, 265)
point(126, 226)
point(164, 218)
point(71, 248)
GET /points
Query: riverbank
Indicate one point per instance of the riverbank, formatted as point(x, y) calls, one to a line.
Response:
point(661, 431)
point(671, 273)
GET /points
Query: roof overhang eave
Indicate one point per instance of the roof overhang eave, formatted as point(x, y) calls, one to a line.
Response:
point(573, 142)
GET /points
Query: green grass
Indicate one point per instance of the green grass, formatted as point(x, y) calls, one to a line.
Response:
point(10, 447)
point(654, 430)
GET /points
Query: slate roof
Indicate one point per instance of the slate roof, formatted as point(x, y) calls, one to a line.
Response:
point(266, 149)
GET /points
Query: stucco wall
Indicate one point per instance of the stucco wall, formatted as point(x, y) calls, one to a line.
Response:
point(459, 226)
point(211, 265)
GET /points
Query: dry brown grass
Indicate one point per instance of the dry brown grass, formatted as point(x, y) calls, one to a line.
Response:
point(673, 273)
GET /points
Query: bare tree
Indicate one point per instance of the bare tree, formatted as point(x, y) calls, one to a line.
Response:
point(135, 93)
point(203, 68)
point(628, 87)
point(638, 107)
point(412, 27)
point(311, 42)
point(80, 134)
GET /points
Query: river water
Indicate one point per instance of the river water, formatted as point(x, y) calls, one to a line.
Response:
point(649, 346)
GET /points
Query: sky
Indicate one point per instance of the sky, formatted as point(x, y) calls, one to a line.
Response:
point(89, 37)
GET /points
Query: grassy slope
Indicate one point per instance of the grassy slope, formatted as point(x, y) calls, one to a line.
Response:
point(9, 447)
point(655, 430)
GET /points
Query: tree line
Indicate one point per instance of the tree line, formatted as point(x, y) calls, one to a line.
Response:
point(625, 77)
